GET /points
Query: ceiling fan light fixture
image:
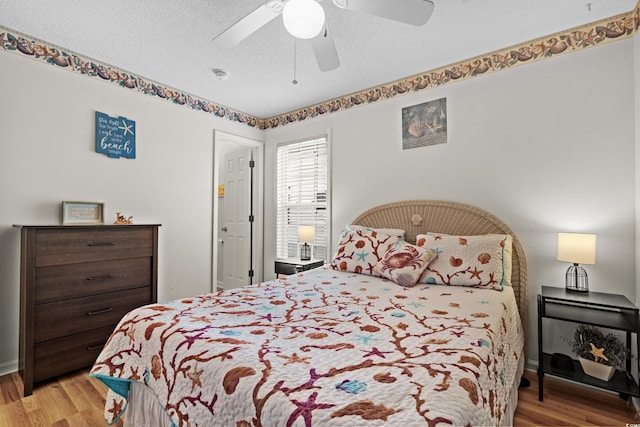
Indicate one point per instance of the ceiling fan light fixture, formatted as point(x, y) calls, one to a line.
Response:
point(303, 19)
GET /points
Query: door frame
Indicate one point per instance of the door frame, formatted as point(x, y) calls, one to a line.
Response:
point(220, 140)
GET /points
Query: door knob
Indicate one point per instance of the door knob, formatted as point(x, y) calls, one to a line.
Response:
point(224, 229)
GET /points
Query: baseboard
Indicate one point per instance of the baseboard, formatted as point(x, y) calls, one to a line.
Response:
point(8, 367)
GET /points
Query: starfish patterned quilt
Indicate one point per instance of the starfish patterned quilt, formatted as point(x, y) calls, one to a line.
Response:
point(323, 348)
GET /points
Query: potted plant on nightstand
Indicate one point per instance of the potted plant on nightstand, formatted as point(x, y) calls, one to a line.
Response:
point(599, 354)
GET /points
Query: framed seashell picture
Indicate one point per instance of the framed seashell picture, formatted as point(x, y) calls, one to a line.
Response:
point(424, 124)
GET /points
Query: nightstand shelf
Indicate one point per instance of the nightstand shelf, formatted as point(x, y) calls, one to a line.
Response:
point(595, 308)
point(287, 266)
point(619, 383)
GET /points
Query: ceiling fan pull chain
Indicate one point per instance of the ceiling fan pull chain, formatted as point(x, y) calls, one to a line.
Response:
point(294, 81)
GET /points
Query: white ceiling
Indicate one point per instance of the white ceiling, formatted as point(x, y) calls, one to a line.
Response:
point(170, 41)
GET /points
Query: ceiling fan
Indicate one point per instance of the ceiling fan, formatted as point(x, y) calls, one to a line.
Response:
point(305, 19)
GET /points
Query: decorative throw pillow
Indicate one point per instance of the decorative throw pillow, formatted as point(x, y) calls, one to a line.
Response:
point(360, 250)
point(395, 232)
point(404, 263)
point(508, 251)
point(482, 261)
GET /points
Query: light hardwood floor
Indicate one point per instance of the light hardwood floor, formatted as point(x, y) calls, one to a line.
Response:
point(74, 400)
point(78, 400)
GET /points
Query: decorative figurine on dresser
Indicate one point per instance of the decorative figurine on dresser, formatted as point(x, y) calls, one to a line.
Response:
point(76, 283)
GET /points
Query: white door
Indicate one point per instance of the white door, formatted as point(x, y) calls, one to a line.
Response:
point(235, 230)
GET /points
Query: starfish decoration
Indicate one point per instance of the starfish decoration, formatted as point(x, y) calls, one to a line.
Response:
point(116, 409)
point(195, 377)
point(294, 358)
point(131, 333)
point(366, 338)
point(190, 340)
point(267, 317)
point(375, 352)
point(134, 374)
point(598, 353)
point(126, 128)
point(305, 409)
point(362, 256)
point(475, 273)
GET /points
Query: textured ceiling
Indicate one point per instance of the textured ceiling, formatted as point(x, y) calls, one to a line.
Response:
point(170, 42)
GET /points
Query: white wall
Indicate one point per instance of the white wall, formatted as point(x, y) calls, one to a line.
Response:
point(636, 73)
point(47, 154)
point(546, 147)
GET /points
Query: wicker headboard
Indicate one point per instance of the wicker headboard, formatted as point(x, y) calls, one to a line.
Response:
point(422, 216)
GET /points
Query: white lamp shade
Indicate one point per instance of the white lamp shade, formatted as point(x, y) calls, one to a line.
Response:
point(577, 248)
point(306, 233)
point(303, 19)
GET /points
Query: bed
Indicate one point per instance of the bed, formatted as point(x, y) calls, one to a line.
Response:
point(350, 343)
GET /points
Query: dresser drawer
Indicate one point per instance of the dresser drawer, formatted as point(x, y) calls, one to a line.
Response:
point(69, 246)
point(60, 282)
point(59, 319)
point(52, 358)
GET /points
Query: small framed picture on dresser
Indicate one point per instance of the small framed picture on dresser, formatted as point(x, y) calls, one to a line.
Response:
point(82, 213)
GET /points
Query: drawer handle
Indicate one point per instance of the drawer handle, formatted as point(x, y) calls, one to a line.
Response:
point(94, 347)
point(100, 277)
point(100, 244)
point(93, 313)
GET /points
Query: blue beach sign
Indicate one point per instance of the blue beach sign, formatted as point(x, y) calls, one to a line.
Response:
point(115, 136)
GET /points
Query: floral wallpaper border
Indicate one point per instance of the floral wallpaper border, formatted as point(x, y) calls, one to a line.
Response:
point(594, 34)
point(12, 41)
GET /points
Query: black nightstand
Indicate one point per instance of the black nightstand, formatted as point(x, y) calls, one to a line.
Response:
point(594, 308)
point(287, 266)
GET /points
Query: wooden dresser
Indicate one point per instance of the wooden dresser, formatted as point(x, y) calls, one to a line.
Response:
point(76, 283)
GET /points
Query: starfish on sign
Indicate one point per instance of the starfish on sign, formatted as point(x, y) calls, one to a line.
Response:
point(126, 128)
point(598, 353)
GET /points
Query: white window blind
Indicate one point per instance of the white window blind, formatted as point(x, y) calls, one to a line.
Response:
point(302, 183)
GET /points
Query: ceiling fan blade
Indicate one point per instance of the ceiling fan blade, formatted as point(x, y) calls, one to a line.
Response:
point(249, 24)
point(414, 12)
point(325, 50)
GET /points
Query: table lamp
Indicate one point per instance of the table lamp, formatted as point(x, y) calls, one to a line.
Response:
point(306, 234)
point(578, 249)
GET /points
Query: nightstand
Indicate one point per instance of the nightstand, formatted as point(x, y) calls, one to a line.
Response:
point(609, 311)
point(287, 266)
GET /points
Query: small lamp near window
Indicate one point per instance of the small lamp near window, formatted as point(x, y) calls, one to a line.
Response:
point(578, 249)
point(306, 234)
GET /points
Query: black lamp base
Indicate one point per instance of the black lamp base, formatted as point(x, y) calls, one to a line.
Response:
point(305, 252)
point(576, 279)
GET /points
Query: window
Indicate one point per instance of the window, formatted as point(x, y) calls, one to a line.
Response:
point(302, 189)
